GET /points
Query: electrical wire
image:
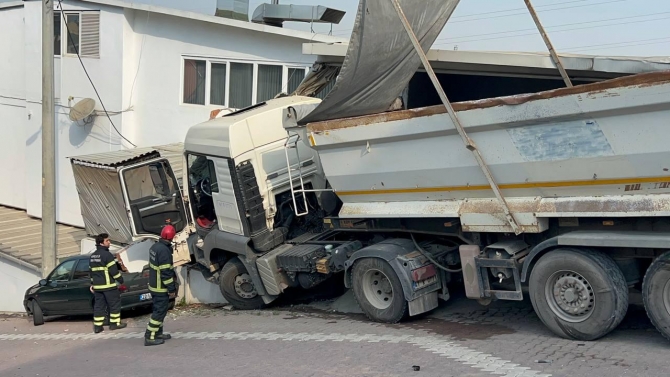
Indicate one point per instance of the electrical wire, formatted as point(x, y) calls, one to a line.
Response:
point(553, 32)
point(348, 31)
point(430, 258)
point(76, 49)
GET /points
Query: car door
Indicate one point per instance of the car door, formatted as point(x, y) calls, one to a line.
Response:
point(53, 298)
point(78, 292)
point(153, 197)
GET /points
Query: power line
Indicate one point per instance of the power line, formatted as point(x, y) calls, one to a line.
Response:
point(553, 32)
point(76, 50)
point(514, 14)
point(553, 26)
point(619, 44)
point(543, 10)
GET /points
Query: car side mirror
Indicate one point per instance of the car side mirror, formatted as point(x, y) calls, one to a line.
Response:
point(43, 283)
point(53, 284)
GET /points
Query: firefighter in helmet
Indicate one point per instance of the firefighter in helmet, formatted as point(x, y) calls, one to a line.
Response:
point(161, 284)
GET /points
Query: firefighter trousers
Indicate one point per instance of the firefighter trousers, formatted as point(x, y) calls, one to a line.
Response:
point(107, 302)
point(161, 303)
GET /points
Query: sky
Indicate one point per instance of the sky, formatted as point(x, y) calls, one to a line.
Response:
point(598, 27)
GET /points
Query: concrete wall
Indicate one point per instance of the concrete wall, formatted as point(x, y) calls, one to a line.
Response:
point(15, 280)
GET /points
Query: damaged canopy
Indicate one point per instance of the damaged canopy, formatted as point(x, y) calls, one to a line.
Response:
point(381, 60)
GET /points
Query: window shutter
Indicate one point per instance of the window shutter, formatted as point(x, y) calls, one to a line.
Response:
point(90, 34)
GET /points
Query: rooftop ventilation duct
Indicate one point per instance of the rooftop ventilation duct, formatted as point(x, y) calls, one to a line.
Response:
point(235, 9)
point(276, 14)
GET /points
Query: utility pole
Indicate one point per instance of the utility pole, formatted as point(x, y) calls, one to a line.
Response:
point(48, 141)
point(545, 37)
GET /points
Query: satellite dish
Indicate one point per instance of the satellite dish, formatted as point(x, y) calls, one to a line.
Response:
point(82, 110)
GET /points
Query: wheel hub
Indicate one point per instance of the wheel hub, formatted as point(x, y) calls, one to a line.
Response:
point(377, 289)
point(570, 296)
point(244, 287)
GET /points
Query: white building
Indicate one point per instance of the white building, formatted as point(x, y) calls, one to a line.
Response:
point(157, 70)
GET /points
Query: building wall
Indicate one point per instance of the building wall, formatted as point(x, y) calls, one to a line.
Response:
point(12, 110)
point(162, 41)
point(72, 138)
point(15, 280)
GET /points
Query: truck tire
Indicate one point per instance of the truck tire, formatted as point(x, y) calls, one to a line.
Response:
point(578, 294)
point(378, 291)
point(38, 316)
point(237, 287)
point(656, 294)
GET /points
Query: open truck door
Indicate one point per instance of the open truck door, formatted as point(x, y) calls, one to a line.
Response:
point(130, 195)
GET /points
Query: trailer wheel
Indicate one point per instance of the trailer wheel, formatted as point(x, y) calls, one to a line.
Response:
point(378, 291)
point(578, 293)
point(237, 287)
point(656, 294)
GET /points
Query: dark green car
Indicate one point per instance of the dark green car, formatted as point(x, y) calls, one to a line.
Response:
point(66, 291)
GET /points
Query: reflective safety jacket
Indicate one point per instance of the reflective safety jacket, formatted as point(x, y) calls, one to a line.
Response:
point(104, 271)
point(161, 272)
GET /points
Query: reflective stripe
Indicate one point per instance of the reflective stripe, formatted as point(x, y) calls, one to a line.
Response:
point(98, 318)
point(152, 329)
point(115, 315)
point(158, 290)
point(115, 320)
point(161, 267)
point(98, 268)
point(168, 281)
point(154, 322)
point(98, 323)
point(117, 276)
point(110, 264)
point(104, 286)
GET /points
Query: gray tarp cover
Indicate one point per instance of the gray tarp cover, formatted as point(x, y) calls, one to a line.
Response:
point(380, 59)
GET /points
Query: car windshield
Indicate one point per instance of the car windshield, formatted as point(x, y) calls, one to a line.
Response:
point(63, 271)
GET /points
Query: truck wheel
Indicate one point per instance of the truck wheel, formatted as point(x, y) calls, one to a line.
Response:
point(578, 293)
point(38, 316)
point(656, 294)
point(237, 287)
point(378, 291)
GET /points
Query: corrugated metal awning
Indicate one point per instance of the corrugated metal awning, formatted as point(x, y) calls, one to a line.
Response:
point(21, 239)
point(126, 156)
point(172, 152)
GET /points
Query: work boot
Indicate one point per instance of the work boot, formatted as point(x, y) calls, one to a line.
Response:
point(155, 342)
point(98, 329)
point(117, 326)
point(164, 336)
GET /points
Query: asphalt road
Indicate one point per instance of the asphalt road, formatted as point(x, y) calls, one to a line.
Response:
point(459, 339)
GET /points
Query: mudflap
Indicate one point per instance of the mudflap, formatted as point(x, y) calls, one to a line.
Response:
point(423, 303)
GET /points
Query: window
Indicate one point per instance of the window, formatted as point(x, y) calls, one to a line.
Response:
point(80, 31)
point(62, 272)
point(82, 270)
point(202, 183)
point(218, 86)
point(57, 38)
point(72, 24)
point(241, 84)
point(295, 77)
point(194, 81)
point(236, 85)
point(269, 82)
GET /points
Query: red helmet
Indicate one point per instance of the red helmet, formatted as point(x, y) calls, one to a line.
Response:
point(168, 232)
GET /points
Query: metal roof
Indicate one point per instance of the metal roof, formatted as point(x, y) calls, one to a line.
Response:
point(515, 63)
point(21, 239)
point(115, 159)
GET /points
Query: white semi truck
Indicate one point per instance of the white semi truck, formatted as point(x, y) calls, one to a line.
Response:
point(570, 197)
